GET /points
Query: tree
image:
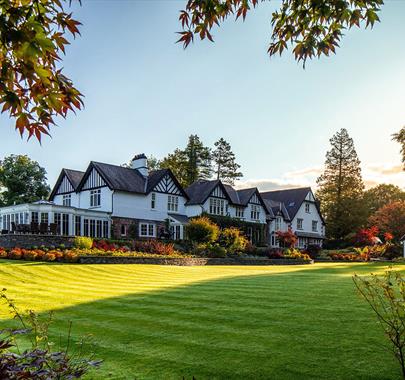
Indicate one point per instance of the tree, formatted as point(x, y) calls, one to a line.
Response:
point(225, 166)
point(153, 163)
point(311, 28)
point(400, 138)
point(341, 188)
point(380, 195)
point(390, 218)
point(23, 180)
point(190, 164)
point(33, 90)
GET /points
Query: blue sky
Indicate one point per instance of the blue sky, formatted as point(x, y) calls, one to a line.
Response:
point(143, 93)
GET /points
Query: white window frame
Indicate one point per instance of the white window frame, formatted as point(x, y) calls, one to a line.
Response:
point(67, 200)
point(255, 212)
point(307, 208)
point(315, 226)
point(150, 230)
point(300, 223)
point(153, 201)
point(278, 223)
point(240, 212)
point(217, 206)
point(95, 198)
point(173, 203)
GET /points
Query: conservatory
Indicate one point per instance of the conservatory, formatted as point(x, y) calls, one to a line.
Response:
point(47, 218)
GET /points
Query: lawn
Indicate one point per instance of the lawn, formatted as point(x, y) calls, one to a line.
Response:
point(161, 322)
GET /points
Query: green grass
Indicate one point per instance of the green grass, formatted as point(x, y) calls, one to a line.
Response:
point(161, 322)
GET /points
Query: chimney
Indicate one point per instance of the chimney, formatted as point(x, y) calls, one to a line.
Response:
point(140, 163)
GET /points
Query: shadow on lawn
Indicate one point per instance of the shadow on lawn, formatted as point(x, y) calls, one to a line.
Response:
point(307, 323)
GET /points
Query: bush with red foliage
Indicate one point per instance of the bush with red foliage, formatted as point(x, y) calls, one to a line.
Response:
point(366, 236)
point(153, 246)
point(287, 239)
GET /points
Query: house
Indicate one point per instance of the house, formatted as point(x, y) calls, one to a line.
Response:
point(222, 202)
point(299, 210)
point(141, 203)
point(278, 219)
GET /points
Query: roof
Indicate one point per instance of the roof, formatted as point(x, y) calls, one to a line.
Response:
point(183, 219)
point(275, 208)
point(292, 198)
point(74, 177)
point(200, 190)
point(313, 235)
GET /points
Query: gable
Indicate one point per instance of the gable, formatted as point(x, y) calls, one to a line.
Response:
point(255, 200)
point(65, 186)
point(168, 186)
point(93, 180)
point(218, 193)
point(310, 197)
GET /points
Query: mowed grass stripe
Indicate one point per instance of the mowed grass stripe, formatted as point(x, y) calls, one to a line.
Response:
point(152, 322)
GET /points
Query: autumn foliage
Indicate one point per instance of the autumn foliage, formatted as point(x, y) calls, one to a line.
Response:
point(390, 219)
point(287, 238)
point(33, 89)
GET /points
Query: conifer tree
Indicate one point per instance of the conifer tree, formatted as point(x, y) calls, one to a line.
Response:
point(341, 188)
point(198, 156)
point(225, 166)
point(400, 138)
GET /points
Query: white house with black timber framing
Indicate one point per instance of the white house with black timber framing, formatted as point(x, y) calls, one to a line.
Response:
point(301, 212)
point(149, 203)
point(221, 200)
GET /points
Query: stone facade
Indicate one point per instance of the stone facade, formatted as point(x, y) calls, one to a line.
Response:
point(29, 241)
point(128, 228)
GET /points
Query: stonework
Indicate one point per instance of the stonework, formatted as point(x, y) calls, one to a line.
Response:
point(29, 241)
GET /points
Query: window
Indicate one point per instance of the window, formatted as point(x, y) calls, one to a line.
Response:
point(78, 225)
point(105, 229)
point(65, 224)
point(278, 224)
point(147, 230)
point(34, 217)
point(92, 228)
point(99, 228)
point(57, 219)
point(44, 217)
point(307, 209)
point(299, 224)
point(255, 212)
point(86, 227)
point(173, 203)
point(123, 230)
point(153, 201)
point(314, 225)
point(217, 206)
point(67, 200)
point(95, 198)
point(240, 212)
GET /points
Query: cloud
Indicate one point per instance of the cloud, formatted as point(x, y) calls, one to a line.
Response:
point(373, 174)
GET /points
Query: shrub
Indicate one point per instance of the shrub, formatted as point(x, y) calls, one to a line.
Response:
point(202, 230)
point(3, 253)
point(275, 253)
point(293, 253)
point(49, 257)
point(287, 239)
point(313, 250)
point(232, 240)
point(83, 242)
point(70, 257)
point(366, 236)
point(29, 255)
point(215, 250)
point(154, 246)
point(15, 254)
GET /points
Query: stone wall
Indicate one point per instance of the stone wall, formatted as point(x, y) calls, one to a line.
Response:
point(186, 261)
point(28, 241)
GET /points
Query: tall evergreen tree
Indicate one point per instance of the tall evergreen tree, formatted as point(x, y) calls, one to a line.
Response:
point(225, 166)
point(198, 160)
point(177, 163)
point(341, 188)
point(22, 180)
point(400, 138)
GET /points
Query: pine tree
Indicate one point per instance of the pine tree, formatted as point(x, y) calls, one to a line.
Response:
point(400, 138)
point(341, 188)
point(225, 167)
point(198, 156)
point(177, 163)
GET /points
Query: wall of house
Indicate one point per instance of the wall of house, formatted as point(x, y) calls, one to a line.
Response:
point(138, 206)
point(106, 200)
point(271, 228)
point(307, 219)
point(75, 199)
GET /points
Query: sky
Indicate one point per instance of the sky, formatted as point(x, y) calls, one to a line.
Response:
point(145, 94)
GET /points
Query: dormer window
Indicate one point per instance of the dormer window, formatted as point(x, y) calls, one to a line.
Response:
point(307, 208)
point(278, 224)
point(217, 206)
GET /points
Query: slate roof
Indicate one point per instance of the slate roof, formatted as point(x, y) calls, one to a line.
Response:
point(179, 217)
point(292, 198)
point(275, 208)
point(313, 235)
point(199, 192)
point(74, 176)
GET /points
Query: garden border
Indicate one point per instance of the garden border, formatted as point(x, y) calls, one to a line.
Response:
point(188, 261)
